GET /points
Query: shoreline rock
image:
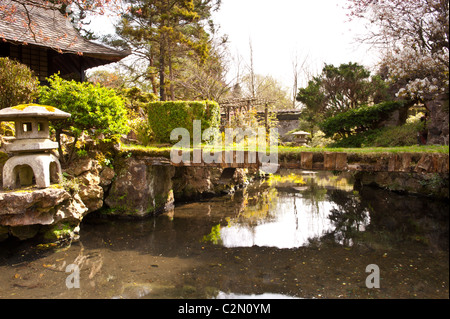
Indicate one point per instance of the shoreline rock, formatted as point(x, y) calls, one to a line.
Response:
point(26, 213)
point(139, 189)
point(424, 184)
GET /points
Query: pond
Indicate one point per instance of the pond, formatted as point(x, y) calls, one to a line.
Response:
point(296, 235)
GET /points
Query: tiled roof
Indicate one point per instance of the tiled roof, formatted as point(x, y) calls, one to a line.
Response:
point(49, 28)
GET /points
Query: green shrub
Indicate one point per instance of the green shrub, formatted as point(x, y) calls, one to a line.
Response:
point(18, 85)
point(319, 140)
point(404, 135)
point(164, 117)
point(359, 120)
point(136, 102)
point(144, 133)
point(364, 139)
point(95, 110)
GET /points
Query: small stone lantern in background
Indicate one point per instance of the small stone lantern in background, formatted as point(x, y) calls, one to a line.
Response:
point(31, 146)
point(300, 138)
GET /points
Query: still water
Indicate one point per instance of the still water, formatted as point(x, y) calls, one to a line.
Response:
point(296, 235)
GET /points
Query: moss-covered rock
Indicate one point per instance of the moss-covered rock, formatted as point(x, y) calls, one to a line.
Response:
point(62, 231)
point(140, 189)
point(27, 213)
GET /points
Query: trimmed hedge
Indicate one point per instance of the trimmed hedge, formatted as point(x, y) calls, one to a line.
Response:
point(359, 120)
point(164, 117)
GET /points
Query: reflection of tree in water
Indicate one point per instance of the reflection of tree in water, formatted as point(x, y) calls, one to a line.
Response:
point(394, 219)
point(313, 194)
point(350, 216)
point(252, 208)
point(402, 219)
point(256, 206)
point(214, 236)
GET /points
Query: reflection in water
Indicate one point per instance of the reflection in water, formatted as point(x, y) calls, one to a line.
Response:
point(350, 217)
point(302, 236)
point(294, 212)
point(291, 225)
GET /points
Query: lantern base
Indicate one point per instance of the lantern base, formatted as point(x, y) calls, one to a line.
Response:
point(27, 170)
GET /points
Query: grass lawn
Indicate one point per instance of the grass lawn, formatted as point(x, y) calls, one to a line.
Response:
point(164, 150)
point(399, 149)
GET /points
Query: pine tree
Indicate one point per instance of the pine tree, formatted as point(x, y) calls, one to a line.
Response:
point(162, 31)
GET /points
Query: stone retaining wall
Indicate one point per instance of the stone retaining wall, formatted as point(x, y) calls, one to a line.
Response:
point(377, 162)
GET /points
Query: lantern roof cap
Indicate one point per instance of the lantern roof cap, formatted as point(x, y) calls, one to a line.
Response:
point(32, 111)
point(301, 133)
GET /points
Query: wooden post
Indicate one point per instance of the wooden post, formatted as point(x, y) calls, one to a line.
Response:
point(341, 161)
point(329, 161)
point(306, 160)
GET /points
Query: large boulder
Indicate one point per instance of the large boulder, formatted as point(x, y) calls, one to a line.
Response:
point(87, 172)
point(26, 213)
point(141, 188)
point(194, 183)
point(30, 207)
point(91, 192)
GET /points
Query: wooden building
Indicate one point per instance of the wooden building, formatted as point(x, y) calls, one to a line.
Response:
point(46, 41)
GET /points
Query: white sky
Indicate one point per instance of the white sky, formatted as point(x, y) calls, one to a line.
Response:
point(281, 29)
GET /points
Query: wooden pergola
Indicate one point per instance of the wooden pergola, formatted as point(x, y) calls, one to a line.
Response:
point(234, 106)
point(46, 41)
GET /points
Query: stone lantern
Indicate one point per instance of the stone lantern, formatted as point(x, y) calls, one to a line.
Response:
point(301, 138)
point(31, 146)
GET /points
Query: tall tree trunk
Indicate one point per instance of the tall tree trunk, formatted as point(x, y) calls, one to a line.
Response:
point(252, 70)
point(172, 93)
point(162, 66)
point(152, 75)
